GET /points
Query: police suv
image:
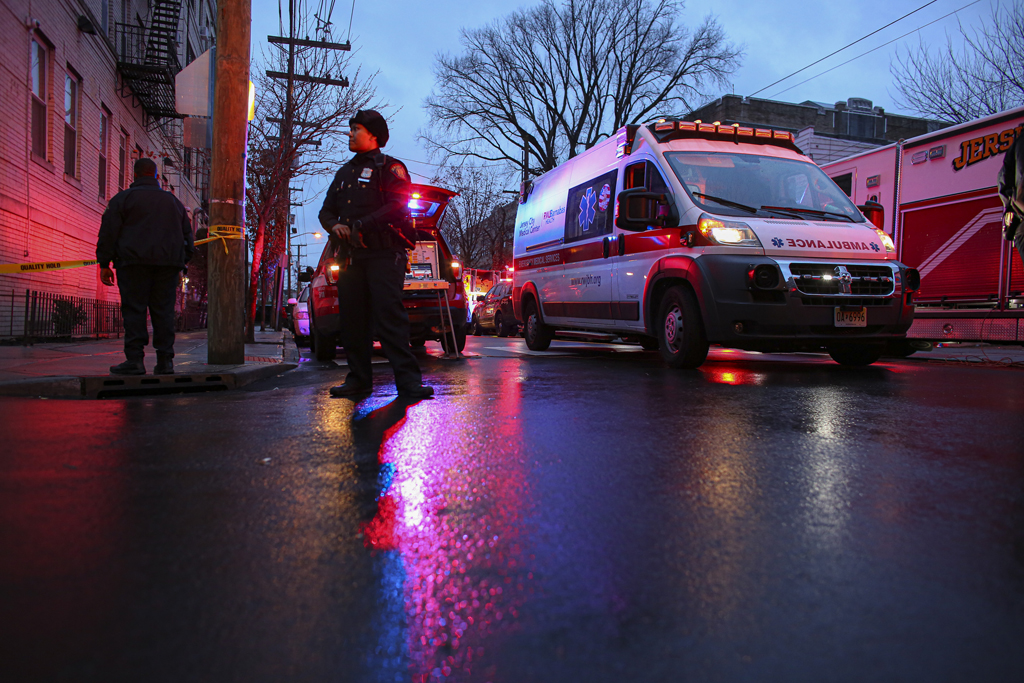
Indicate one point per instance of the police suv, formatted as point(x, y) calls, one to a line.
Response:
point(682, 234)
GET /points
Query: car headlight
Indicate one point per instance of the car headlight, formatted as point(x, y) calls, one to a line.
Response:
point(890, 247)
point(727, 233)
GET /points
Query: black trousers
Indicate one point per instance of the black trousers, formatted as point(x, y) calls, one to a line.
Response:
point(1018, 241)
point(149, 288)
point(370, 302)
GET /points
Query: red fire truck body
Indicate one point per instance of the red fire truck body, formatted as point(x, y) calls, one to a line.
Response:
point(943, 212)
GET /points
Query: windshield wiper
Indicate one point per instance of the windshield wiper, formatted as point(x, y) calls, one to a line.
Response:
point(726, 202)
point(803, 210)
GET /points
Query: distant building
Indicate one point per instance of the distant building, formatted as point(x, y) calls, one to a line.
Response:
point(824, 132)
point(88, 88)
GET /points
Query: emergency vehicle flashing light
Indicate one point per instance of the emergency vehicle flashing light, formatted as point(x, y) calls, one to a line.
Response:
point(669, 129)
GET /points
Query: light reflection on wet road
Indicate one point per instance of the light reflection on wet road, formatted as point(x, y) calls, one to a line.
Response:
point(587, 516)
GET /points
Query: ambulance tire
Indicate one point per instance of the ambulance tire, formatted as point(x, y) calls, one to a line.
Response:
point(856, 356)
point(681, 338)
point(538, 335)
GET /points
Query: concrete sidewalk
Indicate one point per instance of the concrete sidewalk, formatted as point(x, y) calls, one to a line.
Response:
point(973, 353)
point(81, 368)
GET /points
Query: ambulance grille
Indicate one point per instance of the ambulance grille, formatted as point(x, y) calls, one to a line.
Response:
point(820, 279)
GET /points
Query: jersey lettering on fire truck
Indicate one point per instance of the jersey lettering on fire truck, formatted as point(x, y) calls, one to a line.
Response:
point(831, 244)
point(986, 146)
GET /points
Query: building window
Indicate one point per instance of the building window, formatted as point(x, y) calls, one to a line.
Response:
point(71, 89)
point(104, 136)
point(38, 99)
point(122, 159)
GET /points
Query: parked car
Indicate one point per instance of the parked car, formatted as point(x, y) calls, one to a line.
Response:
point(433, 269)
point(300, 317)
point(494, 312)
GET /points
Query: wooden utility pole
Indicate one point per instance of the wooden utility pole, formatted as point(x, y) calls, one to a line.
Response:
point(227, 185)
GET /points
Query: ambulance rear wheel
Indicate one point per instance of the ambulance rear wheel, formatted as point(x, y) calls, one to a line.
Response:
point(856, 356)
point(681, 338)
point(538, 335)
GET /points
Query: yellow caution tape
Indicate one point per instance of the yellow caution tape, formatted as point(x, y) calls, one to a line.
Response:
point(223, 233)
point(43, 267)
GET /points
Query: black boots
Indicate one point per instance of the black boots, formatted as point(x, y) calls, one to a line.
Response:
point(129, 367)
point(164, 366)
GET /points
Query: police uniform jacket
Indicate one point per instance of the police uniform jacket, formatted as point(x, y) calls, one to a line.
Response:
point(370, 192)
point(1011, 176)
point(145, 225)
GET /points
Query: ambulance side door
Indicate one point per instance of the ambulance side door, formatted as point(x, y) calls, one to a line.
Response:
point(637, 250)
point(586, 291)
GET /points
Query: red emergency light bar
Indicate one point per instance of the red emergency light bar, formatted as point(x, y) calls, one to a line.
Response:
point(666, 130)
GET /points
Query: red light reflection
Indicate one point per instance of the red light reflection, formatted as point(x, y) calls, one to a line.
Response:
point(454, 518)
point(729, 374)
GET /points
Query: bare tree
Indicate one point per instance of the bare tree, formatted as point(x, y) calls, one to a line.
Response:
point(557, 78)
point(979, 73)
point(318, 144)
point(466, 225)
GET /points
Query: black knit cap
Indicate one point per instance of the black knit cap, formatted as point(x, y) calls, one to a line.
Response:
point(373, 122)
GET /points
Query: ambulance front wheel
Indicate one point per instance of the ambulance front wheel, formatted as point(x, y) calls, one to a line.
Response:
point(856, 356)
point(681, 338)
point(538, 335)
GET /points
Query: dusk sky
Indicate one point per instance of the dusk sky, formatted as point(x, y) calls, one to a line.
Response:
point(401, 40)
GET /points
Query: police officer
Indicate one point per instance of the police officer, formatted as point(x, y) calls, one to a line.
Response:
point(1011, 193)
point(367, 195)
point(147, 234)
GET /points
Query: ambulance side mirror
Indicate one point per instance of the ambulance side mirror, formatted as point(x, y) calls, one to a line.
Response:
point(306, 275)
point(638, 208)
point(875, 213)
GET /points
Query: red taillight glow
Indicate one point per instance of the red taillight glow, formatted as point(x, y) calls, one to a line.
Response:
point(332, 273)
point(456, 269)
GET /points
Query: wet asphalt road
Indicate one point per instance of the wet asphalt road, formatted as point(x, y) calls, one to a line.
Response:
point(589, 516)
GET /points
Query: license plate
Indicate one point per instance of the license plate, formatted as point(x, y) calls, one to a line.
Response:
point(858, 318)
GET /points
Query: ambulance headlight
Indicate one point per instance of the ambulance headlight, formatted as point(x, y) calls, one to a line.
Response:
point(727, 233)
point(887, 242)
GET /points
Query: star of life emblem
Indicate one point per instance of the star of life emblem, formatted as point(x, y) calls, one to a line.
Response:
point(587, 211)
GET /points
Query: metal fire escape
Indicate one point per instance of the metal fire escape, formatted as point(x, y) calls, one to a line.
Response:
point(148, 59)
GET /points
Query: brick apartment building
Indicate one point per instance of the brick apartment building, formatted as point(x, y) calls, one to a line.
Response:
point(824, 132)
point(87, 89)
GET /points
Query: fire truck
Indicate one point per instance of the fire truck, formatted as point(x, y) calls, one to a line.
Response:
point(936, 196)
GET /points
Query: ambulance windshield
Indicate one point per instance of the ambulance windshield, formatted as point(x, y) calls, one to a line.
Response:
point(746, 184)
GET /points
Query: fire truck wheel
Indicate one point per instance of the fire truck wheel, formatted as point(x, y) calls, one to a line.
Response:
point(538, 335)
point(856, 356)
point(681, 338)
point(324, 347)
point(499, 326)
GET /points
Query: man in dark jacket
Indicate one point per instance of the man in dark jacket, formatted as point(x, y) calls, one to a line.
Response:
point(1011, 191)
point(147, 235)
point(367, 195)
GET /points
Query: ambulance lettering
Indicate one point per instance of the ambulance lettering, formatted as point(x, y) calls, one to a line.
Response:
point(831, 244)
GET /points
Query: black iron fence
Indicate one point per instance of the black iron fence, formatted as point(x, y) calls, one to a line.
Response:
point(29, 316)
point(52, 316)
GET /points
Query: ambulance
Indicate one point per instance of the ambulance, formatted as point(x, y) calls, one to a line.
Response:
point(937, 198)
point(682, 234)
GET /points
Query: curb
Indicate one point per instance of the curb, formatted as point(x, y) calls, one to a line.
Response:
point(76, 387)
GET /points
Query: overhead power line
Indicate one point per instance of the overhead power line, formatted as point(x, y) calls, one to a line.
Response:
point(932, 2)
point(944, 16)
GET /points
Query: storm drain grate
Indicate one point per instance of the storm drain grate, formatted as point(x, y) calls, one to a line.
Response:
point(153, 385)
